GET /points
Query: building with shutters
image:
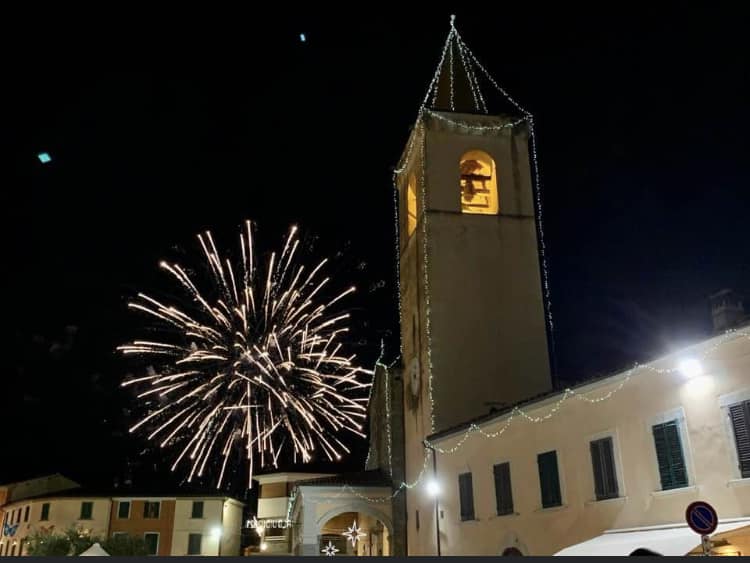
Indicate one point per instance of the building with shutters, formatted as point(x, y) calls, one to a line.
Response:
point(627, 452)
point(168, 524)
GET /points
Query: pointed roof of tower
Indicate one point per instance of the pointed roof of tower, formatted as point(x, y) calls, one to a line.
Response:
point(460, 82)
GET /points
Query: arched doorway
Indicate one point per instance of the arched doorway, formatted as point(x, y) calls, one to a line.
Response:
point(355, 531)
point(511, 552)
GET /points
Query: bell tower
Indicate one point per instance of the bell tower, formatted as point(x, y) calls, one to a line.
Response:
point(473, 328)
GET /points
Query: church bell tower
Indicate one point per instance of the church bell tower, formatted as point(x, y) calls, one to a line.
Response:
point(473, 328)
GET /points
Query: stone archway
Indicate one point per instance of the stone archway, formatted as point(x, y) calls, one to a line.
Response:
point(376, 524)
point(512, 546)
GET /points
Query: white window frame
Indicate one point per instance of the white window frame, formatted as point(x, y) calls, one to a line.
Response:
point(130, 509)
point(617, 454)
point(725, 401)
point(158, 541)
point(677, 414)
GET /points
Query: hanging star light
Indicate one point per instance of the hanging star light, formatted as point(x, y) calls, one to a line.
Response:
point(353, 533)
point(330, 550)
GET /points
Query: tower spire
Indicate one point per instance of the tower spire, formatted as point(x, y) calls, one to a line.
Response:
point(455, 84)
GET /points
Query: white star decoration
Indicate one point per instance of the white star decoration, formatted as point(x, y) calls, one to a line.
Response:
point(330, 550)
point(353, 533)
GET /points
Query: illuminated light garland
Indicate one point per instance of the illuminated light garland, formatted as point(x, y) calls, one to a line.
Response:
point(476, 92)
point(450, 65)
point(463, 124)
point(517, 412)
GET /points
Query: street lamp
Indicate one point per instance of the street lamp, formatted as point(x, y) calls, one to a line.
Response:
point(433, 489)
point(690, 368)
point(216, 533)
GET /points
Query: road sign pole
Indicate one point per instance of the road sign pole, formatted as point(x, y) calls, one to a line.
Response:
point(706, 544)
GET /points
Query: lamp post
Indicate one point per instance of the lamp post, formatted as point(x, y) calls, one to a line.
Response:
point(433, 489)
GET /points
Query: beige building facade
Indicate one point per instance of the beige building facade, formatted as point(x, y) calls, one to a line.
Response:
point(53, 514)
point(175, 525)
point(627, 452)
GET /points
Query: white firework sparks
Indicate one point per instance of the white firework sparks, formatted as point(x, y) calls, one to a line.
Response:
point(255, 364)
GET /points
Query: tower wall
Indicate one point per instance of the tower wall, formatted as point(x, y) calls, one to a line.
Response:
point(488, 335)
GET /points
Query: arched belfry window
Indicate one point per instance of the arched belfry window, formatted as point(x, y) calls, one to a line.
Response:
point(478, 183)
point(411, 205)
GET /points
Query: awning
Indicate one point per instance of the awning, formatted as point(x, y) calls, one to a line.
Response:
point(674, 539)
point(95, 550)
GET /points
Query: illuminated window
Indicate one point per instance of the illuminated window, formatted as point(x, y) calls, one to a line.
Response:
point(411, 205)
point(478, 183)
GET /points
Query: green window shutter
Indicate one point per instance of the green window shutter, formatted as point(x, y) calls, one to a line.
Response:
point(603, 464)
point(466, 496)
point(87, 510)
point(739, 414)
point(669, 455)
point(503, 491)
point(549, 479)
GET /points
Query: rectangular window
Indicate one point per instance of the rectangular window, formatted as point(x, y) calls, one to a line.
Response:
point(45, 511)
point(26, 514)
point(87, 510)
point(194, 544)
point(503, 492)
point(123, 509)
point(466, 496)
point(417, 520)
point(197, 509)
point(151, 509)
point(152, 542)
point(13, 550)
point(603, 464)
point(739, 415)
point(669, 455)
point(18, 515)
point(549, 479)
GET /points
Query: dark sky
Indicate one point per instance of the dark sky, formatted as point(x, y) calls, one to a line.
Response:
point(160, 127)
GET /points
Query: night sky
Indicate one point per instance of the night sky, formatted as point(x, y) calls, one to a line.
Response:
point(160, 127)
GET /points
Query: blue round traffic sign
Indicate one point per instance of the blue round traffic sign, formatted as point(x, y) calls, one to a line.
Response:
point(701, 517)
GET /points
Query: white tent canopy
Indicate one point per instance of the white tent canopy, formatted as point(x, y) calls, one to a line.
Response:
point(94, 550)
point(665, 540)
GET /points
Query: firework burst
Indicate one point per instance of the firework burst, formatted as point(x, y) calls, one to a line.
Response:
point(255, 365)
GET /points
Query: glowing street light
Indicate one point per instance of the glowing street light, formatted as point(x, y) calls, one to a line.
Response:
point(433, 488)
point(690, 368)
